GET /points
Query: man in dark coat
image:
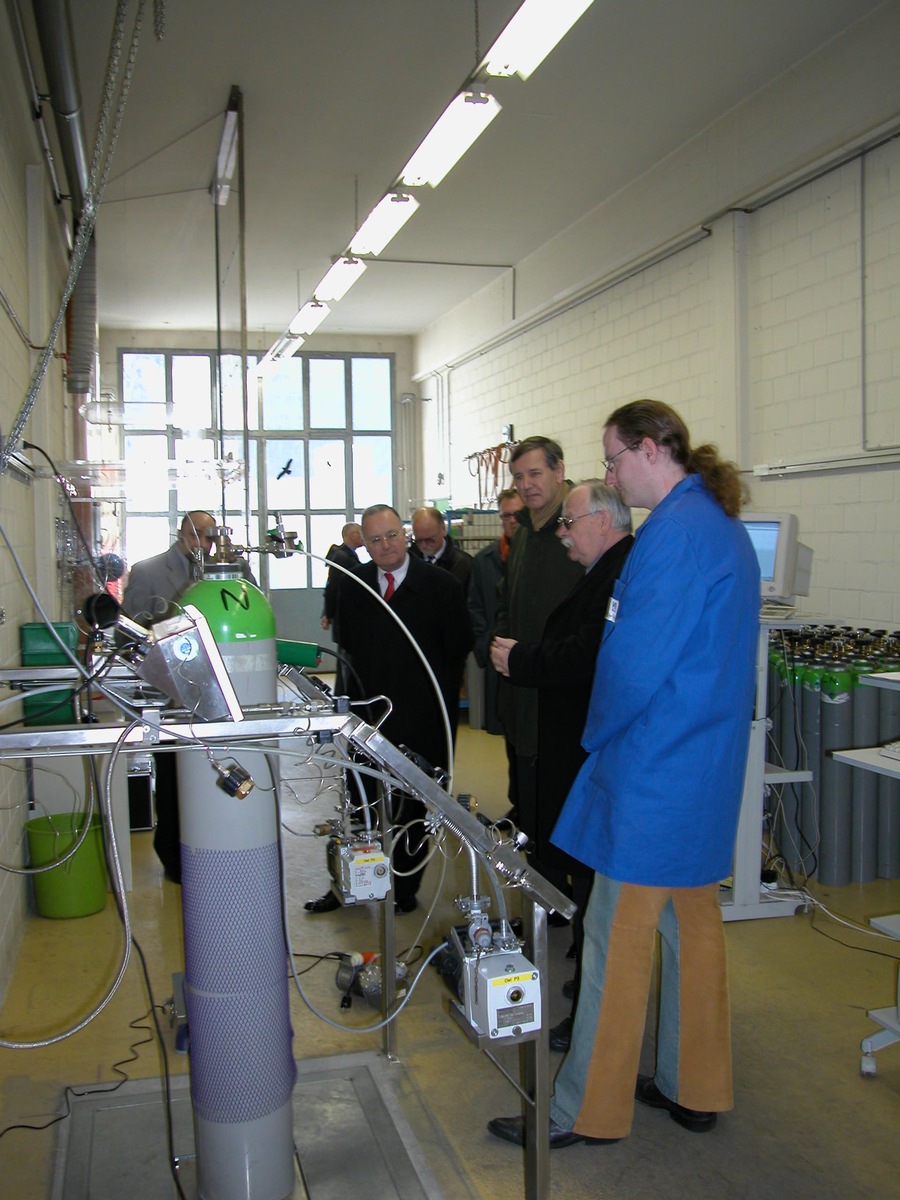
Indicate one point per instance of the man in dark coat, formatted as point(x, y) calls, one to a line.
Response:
point(431, 605)
point(345, 556)
point(596, 528)
point(488, 568)
point(431, 543)
point(539, 575)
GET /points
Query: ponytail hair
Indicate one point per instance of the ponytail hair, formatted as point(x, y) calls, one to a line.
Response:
point(661, 424)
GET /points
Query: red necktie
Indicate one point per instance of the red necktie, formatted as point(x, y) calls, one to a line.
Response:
point(389, 590)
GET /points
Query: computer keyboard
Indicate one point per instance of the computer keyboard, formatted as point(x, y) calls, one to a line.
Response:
point(777, 612)
point(891, 750)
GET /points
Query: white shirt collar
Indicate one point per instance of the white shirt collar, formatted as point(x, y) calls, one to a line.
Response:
point(399, 575)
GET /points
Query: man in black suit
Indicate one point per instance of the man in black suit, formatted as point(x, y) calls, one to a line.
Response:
point(595, 526)
point(432, 543)
point(345, 556)
point(431, 605)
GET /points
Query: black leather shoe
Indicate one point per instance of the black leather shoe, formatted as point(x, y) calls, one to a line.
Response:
point(405, 904)
point(561, 1036)
point(327, 903)
point(512, 1129)
point(690, 1118)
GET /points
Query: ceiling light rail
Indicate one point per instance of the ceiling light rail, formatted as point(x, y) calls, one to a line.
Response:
point(534, 30)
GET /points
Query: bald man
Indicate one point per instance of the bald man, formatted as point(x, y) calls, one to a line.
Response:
point(155, 584)
point(430, 541)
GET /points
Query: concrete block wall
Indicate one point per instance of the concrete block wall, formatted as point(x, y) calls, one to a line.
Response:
point(31, 266)
point(824, 352)
point(651, 335)
point(759, 336)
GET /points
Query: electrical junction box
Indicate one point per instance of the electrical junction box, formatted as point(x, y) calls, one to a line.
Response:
point(360, 870)
point(501, 993)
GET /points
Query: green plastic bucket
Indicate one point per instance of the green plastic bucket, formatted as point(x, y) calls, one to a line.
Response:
point(75, 888)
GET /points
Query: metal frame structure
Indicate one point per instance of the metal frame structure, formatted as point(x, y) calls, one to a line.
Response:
point(316, 721)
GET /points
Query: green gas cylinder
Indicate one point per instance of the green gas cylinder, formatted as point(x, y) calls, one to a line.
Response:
point(241, 621)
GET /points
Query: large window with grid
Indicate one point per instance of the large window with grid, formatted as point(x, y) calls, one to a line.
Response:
point(316, 448)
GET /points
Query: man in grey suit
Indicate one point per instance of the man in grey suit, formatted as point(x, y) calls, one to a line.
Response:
point(156, 583)
point(154, 586)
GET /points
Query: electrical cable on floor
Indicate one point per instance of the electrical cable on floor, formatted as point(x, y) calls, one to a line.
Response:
point(70, 1091)
point(167, 1080)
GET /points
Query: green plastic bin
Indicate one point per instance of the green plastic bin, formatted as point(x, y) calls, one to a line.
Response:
point(75, 888)
point(40, 649)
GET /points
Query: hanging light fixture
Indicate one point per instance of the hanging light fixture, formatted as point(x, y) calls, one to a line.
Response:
point(385, 220)
point(226, 158)
point(534, 30)
point(462, 122)
point(339, 279)
point(530, 36)
point(309, 318)
point(286, 347)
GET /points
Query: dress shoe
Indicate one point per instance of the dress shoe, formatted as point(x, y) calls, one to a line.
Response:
point(512, 1129)
point(561, 1036)
point(405, 904)
point(690, 1118)
point(327, 903)
point(568, 989)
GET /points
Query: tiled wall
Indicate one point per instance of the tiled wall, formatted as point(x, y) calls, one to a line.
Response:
point(774, 376)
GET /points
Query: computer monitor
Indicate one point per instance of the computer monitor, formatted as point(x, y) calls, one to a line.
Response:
point(784, 562)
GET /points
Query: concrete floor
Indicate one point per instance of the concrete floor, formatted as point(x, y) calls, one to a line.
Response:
point(805, 1123)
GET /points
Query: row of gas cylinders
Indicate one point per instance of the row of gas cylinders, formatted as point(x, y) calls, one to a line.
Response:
point(844, 826)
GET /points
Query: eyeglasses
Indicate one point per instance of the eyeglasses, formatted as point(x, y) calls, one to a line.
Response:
point(568, 522)
point(389, 537)
point(609, 464)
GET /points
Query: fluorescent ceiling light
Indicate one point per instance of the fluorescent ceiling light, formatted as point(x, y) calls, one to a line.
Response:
point(286, 347)
point(226, 158)
point(309, 318)
point(530, 36)
point(463, 120)
point(340, 279)
point(385, 220)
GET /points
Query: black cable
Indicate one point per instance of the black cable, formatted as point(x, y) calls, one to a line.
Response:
point(167, 1081)
point(346, 663)
point(99, 1090)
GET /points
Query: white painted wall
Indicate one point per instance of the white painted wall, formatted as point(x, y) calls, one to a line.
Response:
point(838, 98)
point(758, 330)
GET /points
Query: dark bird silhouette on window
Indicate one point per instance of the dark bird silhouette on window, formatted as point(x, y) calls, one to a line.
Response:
point(285, 470)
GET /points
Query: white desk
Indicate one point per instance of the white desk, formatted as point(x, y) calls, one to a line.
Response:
point(873, 760)
point(870, 760)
